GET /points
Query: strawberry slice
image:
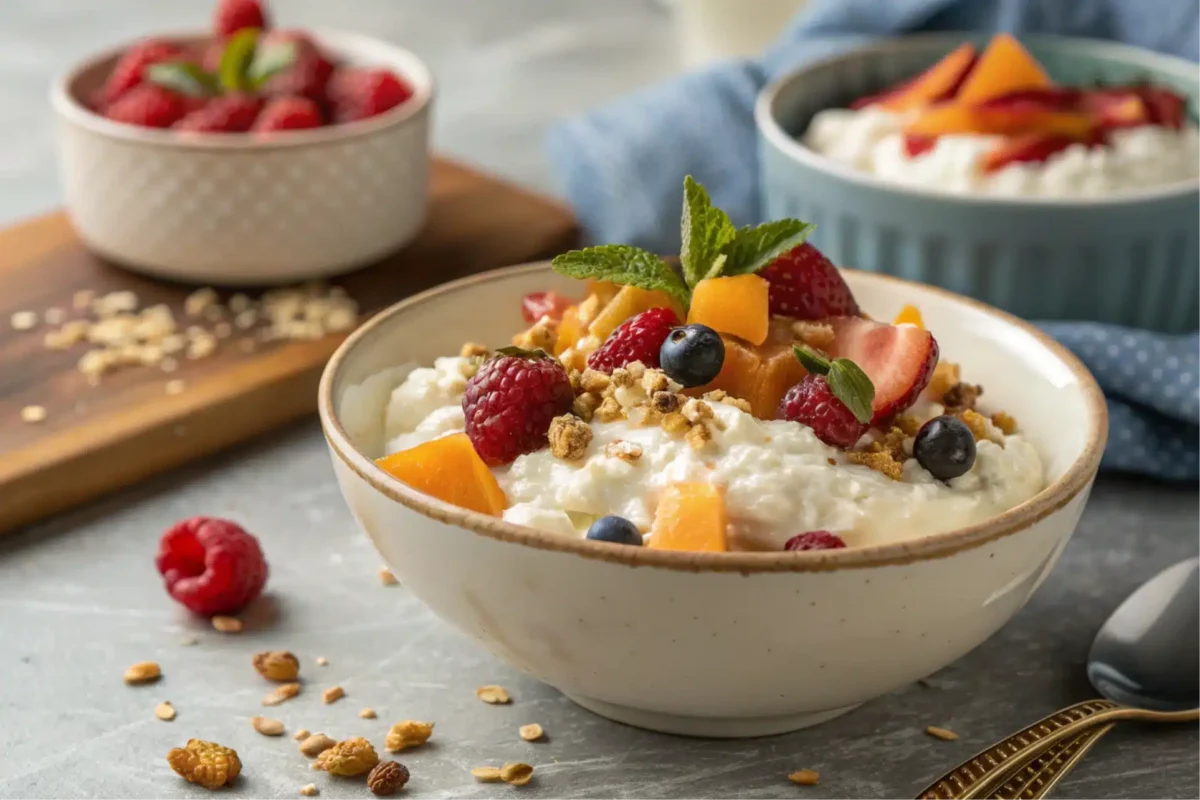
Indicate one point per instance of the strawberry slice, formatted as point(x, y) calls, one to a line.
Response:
point(899, 360)
point(536, 305)
point(916, 144)
point(1163, 106)
point(806, 285)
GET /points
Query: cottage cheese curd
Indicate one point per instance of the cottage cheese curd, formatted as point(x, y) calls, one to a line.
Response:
point(872, 140)
point(779, 478)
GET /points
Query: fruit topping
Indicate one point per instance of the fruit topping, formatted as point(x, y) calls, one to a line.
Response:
point(628, 303)
point(233, 113)
point(638, 339)
point(898, 359)
point(232, 16)
point(148, 105)
point(806, 285)
point(916, 144)
point(690, 516)
point(1004, 67)
point(289, 114)
point(692, 355)
point(130, 70)
point(357, 93)
point(834, 399)
point(1164, 107)
point(510, 403)
point(815, 540)
point(210, 565)
point(449, 469)
point(309, 70)
point(737, 305)
point(909, 315)
point(759, 375)
point(536, 305)
point(945, 446)
point(937, 83)
point(996, 117)
point(616, 530)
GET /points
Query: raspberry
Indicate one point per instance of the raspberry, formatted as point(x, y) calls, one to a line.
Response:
point(510, 403)
point(233, 113)
point(811, 402)
point(149, 106)
point(638, 338)
point(309, 73)
point(131, 68)
point(231, 16)
point(806, 285)
point(358, 93)
point(815, 540)
point(289, 114)
point(211, 566)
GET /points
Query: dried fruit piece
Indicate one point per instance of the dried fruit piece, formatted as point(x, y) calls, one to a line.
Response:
point(805, 777)
point(316, 744)
point(332, 694)
point(516, 773)
point(277, 665)
point(205, 763)
point(387, 778)
point(486, 774)
point(143, 672)
point(227, 624)
point(367, 713)
point(164, 711)
point(495, 695)
point(945, 734)
point(285, 692)
point(267, 726)
point(349, 757)
point(406, 734)
point(531, 732)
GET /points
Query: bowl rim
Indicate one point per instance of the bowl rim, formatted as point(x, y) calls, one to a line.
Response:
point(1073, 481)
point(770, 128)
point(415, 71)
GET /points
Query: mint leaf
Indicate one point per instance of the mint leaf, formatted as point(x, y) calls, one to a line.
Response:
point(184, 78)
point(623, 264)
point(235, 61)
point(521, 352)
point(811, 360)
point(852, 386)
point(704, 231)
point(270, 61)
point(753, 248)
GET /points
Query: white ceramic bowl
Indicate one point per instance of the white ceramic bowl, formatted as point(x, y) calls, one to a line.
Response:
point(716, 644)
point(233, 209)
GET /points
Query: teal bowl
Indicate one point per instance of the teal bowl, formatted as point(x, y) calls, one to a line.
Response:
point(1131, 258)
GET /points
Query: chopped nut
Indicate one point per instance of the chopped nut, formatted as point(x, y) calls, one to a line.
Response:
point(486, 774)
point(322, 661)
point(593, 380)
point(386, 577)
point(473, 350)
point(201, 346)
point(68, 335)
point(907, 423)
point(698, 436)
point(301, 735)
point(277, 665)
point(164, 711)
point(675, 423)
point(961, 396)
point(266, 726)
point(696, 410)
point(205, 763)
point(817, 335)
point(114, 303)
point(24, 320)
point(143, 672)
point(628, 452)
point(54, 316)
point(33, 414)
point(316, 744)
point(636, 370)
point(387, 778)
point(516, 774)
point(332, 694)
point(310, 790)
point(804, 777)
point(348, 757)
point(740, 404)
point(196, 302)
point(879, 460)
point(945, 734)
point(979, 425)
point(281, 693)
point(82, 299)
point(655, 380)
point(175, 387)
point(367, 713)
point(531, 732)
point(666, 402)
point(227, 624)
point(406, 734)
point(1005, 423)
point(542, 335)
point(608, 411)
point(621, 378)
point(569, 437)
point(496, 695)
point(644, 416)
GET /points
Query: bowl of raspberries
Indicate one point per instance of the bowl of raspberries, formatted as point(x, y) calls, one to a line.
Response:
point(248, 154)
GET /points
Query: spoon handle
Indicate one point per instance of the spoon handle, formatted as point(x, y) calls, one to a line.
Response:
point(1036, 778)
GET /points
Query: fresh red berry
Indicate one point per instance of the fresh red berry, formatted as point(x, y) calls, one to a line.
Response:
point(211, 565)
point(811, 402)
point(233, 113)
point(130, 70)
point(148, 105)
point(815, 540)
point(536, 305)
point(289, 114)
point(638, 338)
point(232, 16)
point(309, 73)
point(899, 360)
point(510, 402)
point(806, 285)
point(360, 93)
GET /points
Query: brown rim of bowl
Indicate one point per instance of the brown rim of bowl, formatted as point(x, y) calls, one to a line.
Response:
point(784, 142)
point(1075, 480)
point(380, 52)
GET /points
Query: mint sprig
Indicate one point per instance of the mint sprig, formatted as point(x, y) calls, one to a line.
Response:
point(269, 61)
point(846, 379)
point(236, 59)
point(754, 248)
point(182, 77)
point(623, 264)
point(705, 230)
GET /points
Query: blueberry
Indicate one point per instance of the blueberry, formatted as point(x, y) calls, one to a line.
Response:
point(692, 355)
point(946, 447)
point(616, 530)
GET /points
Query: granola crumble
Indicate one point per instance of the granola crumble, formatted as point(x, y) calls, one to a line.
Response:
point(473, 350)
point(1005, 423)
point(666, 402)
point(569, 437)
point(880, 460)
point(406, 734)
point(805, 777)
point(945, 734)
point(675, 422)
point(961, 396)
point(698, 436)
point(609, 411)
point(585, 405)
point(628, 452)
point(817, 335)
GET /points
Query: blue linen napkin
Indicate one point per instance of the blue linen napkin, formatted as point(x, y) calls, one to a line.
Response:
point(624, 180)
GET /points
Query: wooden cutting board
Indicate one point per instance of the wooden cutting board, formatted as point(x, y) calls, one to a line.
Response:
point(95, 439)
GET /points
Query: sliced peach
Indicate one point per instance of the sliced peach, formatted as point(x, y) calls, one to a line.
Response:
point(949, 118)
point(1004, 67)
point(570, 329)
point(738, 305)
point(936, 83)
point(450, 470)
point(909, 315)
point(759, 374)
point(605, 290)
point(691, 517)
point(629, 302)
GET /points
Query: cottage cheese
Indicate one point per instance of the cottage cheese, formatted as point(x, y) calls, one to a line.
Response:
point(779, 478)
point(871, 140)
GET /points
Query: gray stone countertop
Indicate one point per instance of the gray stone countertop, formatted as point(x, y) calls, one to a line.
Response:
point(80, 600)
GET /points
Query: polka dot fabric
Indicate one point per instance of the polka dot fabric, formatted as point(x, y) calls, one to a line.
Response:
point(1152, 383)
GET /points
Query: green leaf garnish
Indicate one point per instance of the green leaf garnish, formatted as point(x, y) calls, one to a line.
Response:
point(846, 379)
point(236, 59)
point(704, 231)
point(623, 264)
point(270, 61)
point(753, 248)
point(179, 76)
point(520, 352)
point(811, 360)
